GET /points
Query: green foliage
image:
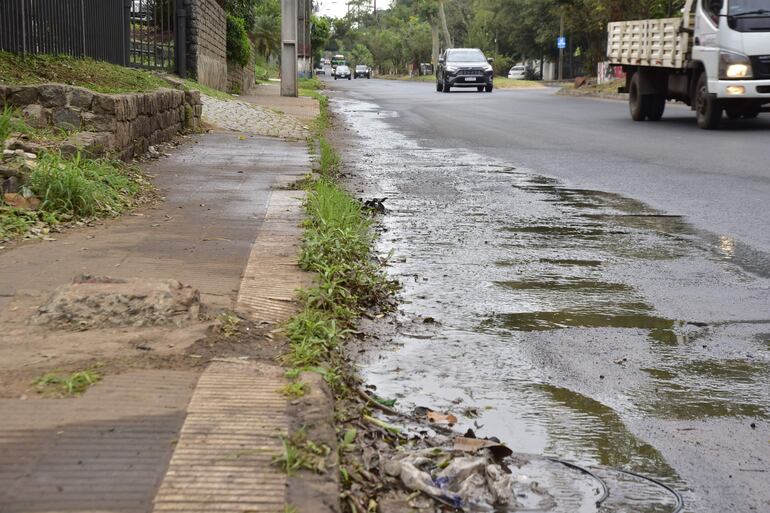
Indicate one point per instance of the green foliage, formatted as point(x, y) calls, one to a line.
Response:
point(208, 91)
point(73, 384)
point(82, 187)
point(295, 389)
point(330, 162)
point(238, 46)
point(5, 124)
point(95, 75)
point(502, 64)
point(300, 453)
point(319, 37)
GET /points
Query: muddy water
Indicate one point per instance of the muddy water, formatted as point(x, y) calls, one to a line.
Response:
point(572, 323)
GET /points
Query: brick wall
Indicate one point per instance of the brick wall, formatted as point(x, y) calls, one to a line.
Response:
point(206, 44)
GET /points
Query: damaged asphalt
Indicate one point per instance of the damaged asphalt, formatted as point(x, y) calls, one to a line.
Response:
point(574, 313)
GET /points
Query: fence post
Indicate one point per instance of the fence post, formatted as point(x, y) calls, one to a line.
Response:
point(23, 28)
point(181, 41)
point(127, 32)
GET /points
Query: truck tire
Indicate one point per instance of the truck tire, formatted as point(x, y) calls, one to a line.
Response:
point(638, 104)
point(708, 110)
point(656, 107)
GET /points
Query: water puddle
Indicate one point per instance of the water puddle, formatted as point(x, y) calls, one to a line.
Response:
point(572, 323)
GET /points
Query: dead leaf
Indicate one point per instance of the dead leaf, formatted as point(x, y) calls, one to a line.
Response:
point(441, 418)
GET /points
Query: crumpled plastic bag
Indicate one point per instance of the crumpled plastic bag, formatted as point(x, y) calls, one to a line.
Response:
point(473, 483)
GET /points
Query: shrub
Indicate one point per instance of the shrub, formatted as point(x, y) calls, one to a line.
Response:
point(238, 46)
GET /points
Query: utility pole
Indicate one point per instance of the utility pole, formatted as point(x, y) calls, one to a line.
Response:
point(289, 48)
point(561, 50)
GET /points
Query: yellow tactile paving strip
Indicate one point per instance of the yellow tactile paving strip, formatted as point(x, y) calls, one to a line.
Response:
point(222, 462)
point(271, 277)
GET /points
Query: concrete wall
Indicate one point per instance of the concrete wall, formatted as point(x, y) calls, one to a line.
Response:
point(206, 43)
point(120, 124)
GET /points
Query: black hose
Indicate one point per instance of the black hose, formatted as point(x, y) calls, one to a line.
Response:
point(678, 496)
point(604, 489)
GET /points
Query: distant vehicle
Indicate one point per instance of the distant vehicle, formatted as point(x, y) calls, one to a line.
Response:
point(362, 71)
point(342, 71)
point(338, 60)
point(518, 72)
point(141, 10)
point(464, 67)
point(320, 71)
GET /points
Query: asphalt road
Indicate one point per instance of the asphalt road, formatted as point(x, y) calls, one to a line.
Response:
point(719, 180)
point(574, 283)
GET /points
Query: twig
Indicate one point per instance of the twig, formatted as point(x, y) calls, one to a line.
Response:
point(369, 399)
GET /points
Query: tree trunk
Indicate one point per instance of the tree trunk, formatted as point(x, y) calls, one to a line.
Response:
point(444, 26)
point(436, 43)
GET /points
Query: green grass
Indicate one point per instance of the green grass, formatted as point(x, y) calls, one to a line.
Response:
point(6, 126)
point(507, 83)
point(95, 75)
point(300, 453)
point(82, 187)
point(73, 384)
point(208, 91)
point(310, 84)
point(295, 389)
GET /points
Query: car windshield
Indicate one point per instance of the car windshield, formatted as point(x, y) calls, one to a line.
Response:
point(753, 7)
point(465, 56)
point(361, 67)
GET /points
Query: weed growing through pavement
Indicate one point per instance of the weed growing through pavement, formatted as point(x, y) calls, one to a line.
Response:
point(74, 384)
point(295, 389)
point(300, 453)
point(229, 324)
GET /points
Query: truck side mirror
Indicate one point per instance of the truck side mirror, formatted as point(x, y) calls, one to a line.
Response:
point(716, 6)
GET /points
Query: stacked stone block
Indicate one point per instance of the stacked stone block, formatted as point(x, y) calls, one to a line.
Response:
point(206, 43)
point(122, 124)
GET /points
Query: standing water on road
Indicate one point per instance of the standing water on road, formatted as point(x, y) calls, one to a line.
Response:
point(572, 323)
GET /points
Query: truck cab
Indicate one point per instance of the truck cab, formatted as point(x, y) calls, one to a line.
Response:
point(715, 58)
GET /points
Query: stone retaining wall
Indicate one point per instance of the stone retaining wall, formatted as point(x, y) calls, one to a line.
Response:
point(240, 79)
point(206, 43)
point(120, 124)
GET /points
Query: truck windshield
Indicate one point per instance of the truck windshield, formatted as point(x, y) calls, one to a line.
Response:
point(749, 8)
point(465, 56)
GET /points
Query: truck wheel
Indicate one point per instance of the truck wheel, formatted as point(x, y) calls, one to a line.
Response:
point(656, 107)
point(638, 104)
point(708, 110)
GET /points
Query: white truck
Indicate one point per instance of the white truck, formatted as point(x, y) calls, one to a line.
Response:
point(715, 58)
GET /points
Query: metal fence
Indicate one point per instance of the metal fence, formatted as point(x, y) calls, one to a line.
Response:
point(81, 28)
point(139, 33)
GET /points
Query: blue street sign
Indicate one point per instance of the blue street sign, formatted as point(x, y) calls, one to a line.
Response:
point(561, 42)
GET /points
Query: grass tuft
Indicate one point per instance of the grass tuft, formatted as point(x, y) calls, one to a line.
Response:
point(74, 384)
point(82, 187)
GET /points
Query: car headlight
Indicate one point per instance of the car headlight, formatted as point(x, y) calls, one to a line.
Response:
point(734, 66)
point(488, 68)
point(452, 69)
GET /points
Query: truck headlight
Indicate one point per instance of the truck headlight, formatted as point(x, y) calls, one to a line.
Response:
point(734, 66)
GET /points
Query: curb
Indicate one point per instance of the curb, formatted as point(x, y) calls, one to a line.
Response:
point(592, 94)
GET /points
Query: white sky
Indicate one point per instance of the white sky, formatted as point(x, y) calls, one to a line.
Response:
point(338, 8)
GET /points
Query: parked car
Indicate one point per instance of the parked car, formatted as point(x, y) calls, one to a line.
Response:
point(362, 71)
point(464, 67)
point(342, 71)
point(518, 72)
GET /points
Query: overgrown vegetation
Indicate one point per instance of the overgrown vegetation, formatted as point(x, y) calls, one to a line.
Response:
point(67, 188)
point(208, 91)
point(98, 76)
point(73, 384)
point(300, 453)
point(238, 47)
point(82, 187)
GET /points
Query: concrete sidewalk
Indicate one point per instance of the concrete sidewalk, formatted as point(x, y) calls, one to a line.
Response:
point(228, 228)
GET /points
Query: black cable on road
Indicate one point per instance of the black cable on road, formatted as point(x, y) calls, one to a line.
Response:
point(605, 491)
point(678, 508)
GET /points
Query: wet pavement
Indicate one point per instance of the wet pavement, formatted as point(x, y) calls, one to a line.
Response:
point(570, 322)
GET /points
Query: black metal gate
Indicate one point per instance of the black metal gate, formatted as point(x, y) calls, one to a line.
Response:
point(81, 28)
point(138, 33)
point(151, 34)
